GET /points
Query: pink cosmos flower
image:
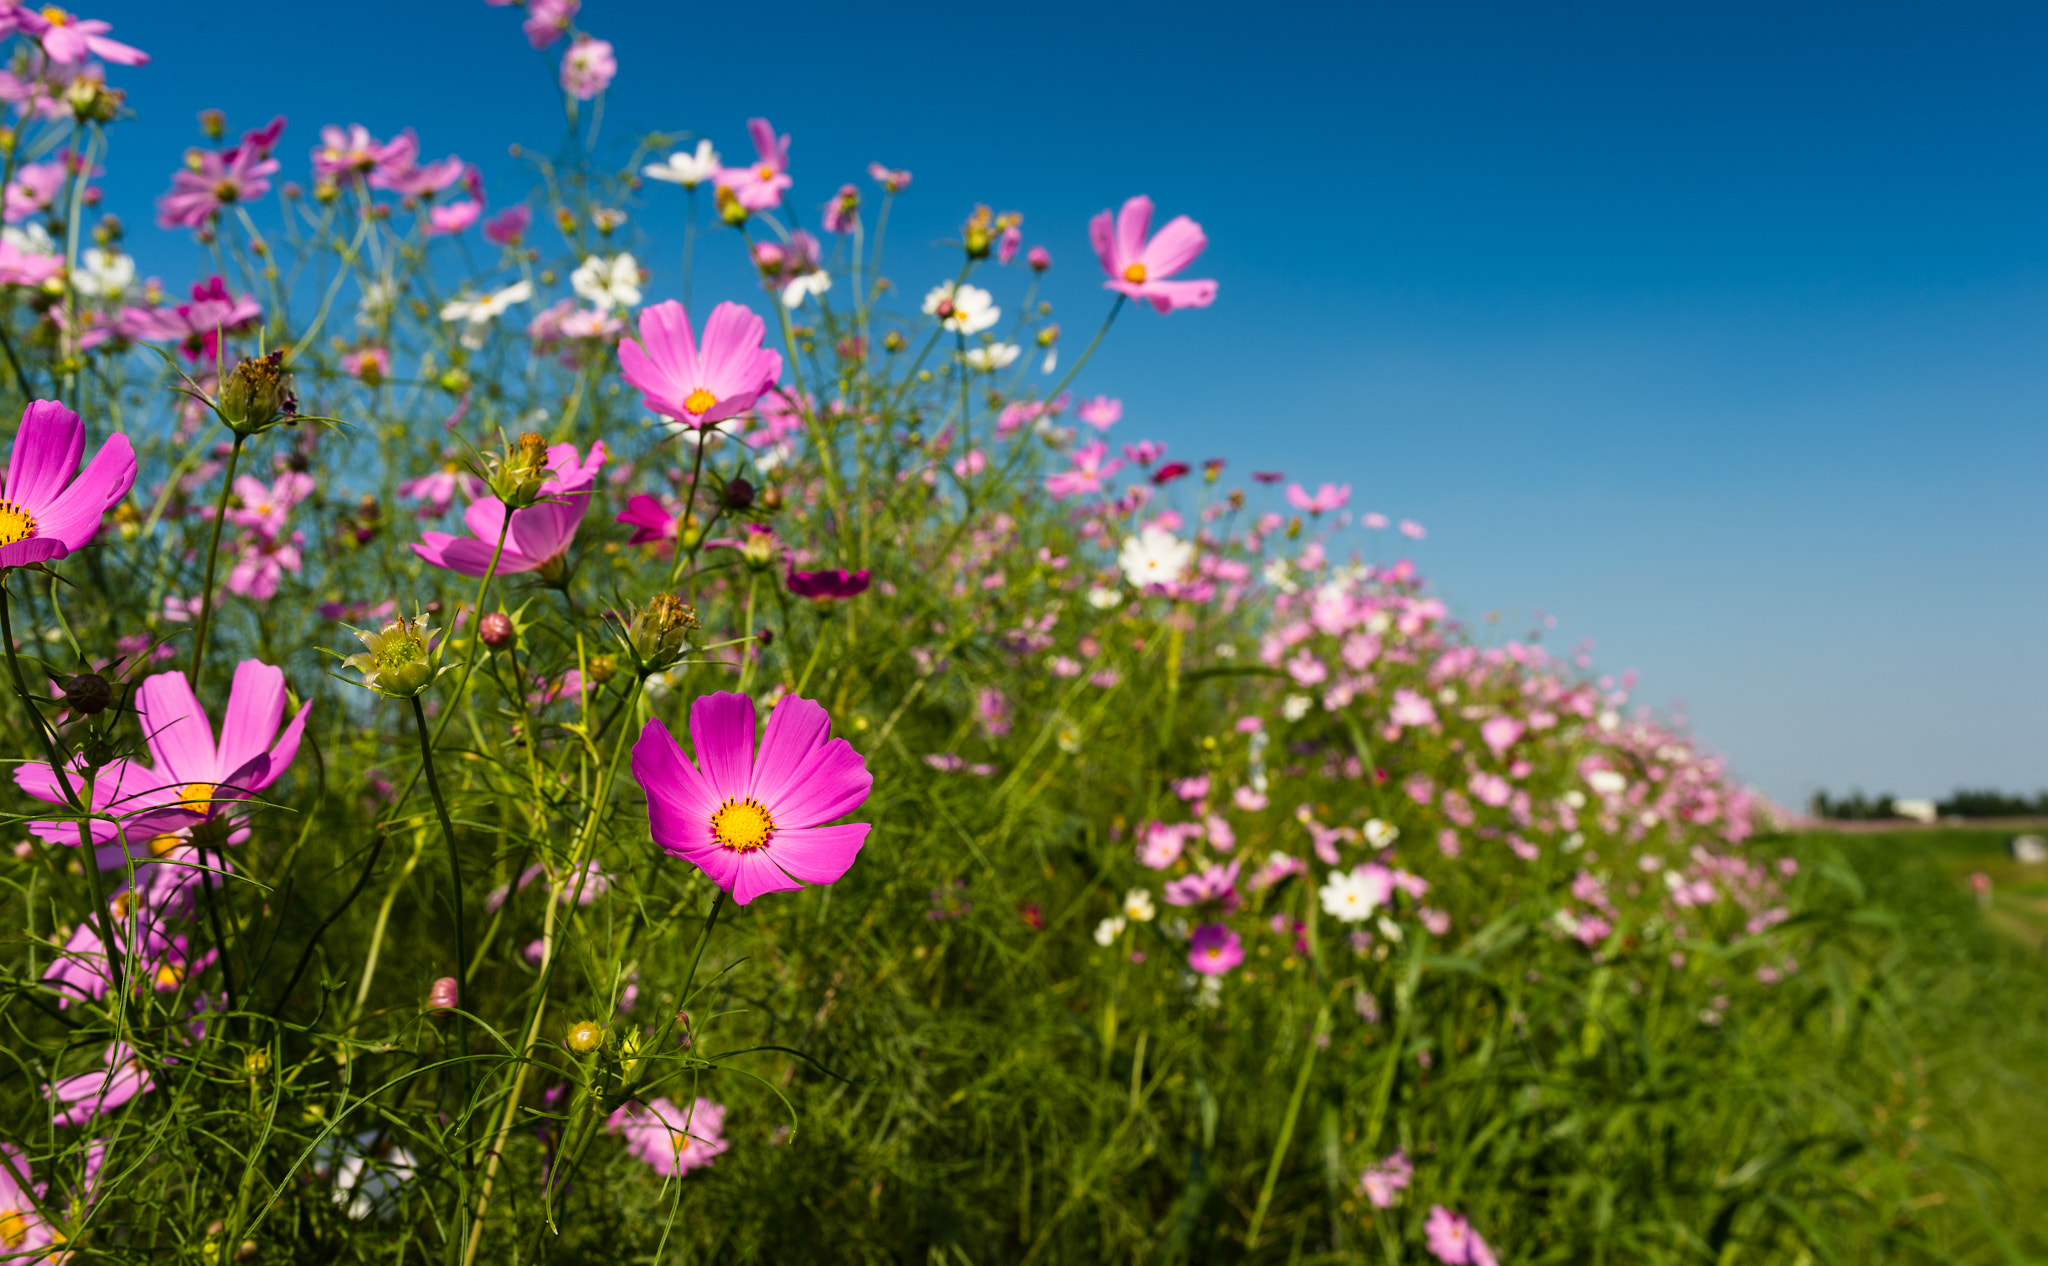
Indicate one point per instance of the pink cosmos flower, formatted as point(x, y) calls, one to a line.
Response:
point(88, 1095)
point(1214, 950)
point(548, 20)
point(197, 775)
point(46, 512)
point(34, 187)
point(1327, 497)
point(588, 67)
point(403, 174)
point(1453, 1241)
point(68, 38)
point(1102, 413)
point(436, 491)
point(351, 153)
point(508, 226)
point(843, 211)
point(540, 533)
point(21, 268)
point(1501, 733)
point(1412, 530)
point(697, 386)
point(891, 181)
point(220, 180)
point(20, 1197)
point(1411, 709)
point(1093, 467)
point(1139, 268)
point(673, 1140)
point(1374, 520)
point(197, 326)
point(759, 187)
point(755, 823)
point(831, 585)
point(1010, 239)
point(266, 507)
point(261, 562)
point(1213, 885)
point(650, 520)
point(370, 364)
point(1383, 1182)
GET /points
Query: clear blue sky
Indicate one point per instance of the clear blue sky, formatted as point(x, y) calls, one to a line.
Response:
point(1717, 330)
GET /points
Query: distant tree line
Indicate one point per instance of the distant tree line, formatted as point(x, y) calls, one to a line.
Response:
point(1962, 803)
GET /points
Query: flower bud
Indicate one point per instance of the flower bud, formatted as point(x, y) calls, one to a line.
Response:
point(729, 208)
point(977, 234)
point(760, 547)
point(497, 631)
point(1039, 258)
point(893, 341)
point(1048, 336)
point(444, 995)
point(91, 101)
point(521, 470)
point(213, 124)
point(399, 661)
point(765, 636)
point(660, 633)
point(603, 668)
point(88, 694)
point(586, 1036)
point(258, 395)
point(739, 495)
point(256, 1062)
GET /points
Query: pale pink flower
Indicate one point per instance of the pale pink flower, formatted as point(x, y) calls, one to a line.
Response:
point(1091, 472)
point(1501, 733)
point(671, 1139)
point(1382, 1183)
point(548, 20)
point(220, 181)
point(1213, 885)
point(1412, 530)
point(1140, 268)
point(351, 153)
point(588, 67)
point(753, 822)
point(697, 386)
point(265, 507)
point(34, 187)
point(22, 268)
point(508, 226)
point(759, 186)
point(1102, 413)
point(843, 211)
point(260, 564)
point(68, 39)
point(1411, 709)
point(87, 1095)
point(540, 534)
point(891, 181)
point(1326, 498)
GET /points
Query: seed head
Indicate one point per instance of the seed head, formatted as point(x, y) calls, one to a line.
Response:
point(88, 694)
point(399, 660)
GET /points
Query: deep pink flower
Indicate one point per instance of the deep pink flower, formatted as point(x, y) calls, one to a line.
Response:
point(650, 520)
point(1092, 470)
point(890, 180)
point(1169, 472)
point(697, 386)
point(34, 187)
point(843, 211)
point(508, 226)
point(759, 186)
point(261, 141)
point(403, 174)
point(198, 775)
point(46, 512)
point(755, 823)
point(588, 67)
point(1139, 268)
point(1326, 498)
point(1039, 258)
point(88, 1095)
point(1102, 413)
point(671, 1139)
point(221, 180)
point(548, 20)
point(1214, 950)
point(836, 583)
point(69, 39)
point(196, 326)
point(1215, 884)
point(540, 534)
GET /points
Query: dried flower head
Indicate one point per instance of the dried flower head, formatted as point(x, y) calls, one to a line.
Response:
point(659, 633)
point(258, 395)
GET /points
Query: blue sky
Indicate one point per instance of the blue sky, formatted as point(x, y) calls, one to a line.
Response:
point(1716, 330)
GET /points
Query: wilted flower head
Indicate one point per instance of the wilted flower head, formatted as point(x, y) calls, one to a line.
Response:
point(518, 472)
point(258, 395)
point(659, 632)
point(399, 661)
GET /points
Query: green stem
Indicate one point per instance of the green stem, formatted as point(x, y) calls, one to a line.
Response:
point(1088, 351)
point(220, 516)
point(419, 716)
point(1308, 1063)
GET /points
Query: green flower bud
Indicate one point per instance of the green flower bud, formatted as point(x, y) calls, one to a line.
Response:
point(399, 661)
point(258, 395)
point(660, 632)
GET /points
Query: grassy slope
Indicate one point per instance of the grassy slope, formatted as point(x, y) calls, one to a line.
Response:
point(1968, 992)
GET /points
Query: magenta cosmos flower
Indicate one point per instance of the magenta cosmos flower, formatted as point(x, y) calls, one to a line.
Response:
point(1326, 498)
point(22, 1228)
point(673, 1140)
point(699, 385)
point(828, 586)
point(68, 38)
point(1139, 268)
point(220, 181)
point(755, 822)
point(1214, 950)
point(759, 186)
point(49, 507)
point(540, 533)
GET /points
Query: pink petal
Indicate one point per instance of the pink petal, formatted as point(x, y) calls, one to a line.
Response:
point(255, 707)
point(1173, 249)
point(667, 775)
point(545, 530)
point(757, 876)
point(36, 549)
point(1132, 223)
point(832, 782)
point(485, 518)
point(1102, 235)
point(722, 730)
point(732, 341)
point(818, 854)
point(1168, 295)
point(797, 728)
point(74, 515)
point(46, 452)
point(179, 735)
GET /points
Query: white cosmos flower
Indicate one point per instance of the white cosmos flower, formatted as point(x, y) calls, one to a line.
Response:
point(1108, 930)
point(811, 283)
point(1379, 834)
point(1103, 598)
point(29, 239)
point(1154, 556)
point(1138, 906)
point(962, 309)
point(684, 168)
point(1351, 898)
point(1607, 782)
point(103, 273)
point(1295, 707)
point(477, 314)
point(993, 357)
point(608, 285)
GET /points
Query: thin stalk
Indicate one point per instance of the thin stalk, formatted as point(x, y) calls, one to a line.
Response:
point(220, 515)
point(1308, 1063)
point(1088, 351)
point(419, 717)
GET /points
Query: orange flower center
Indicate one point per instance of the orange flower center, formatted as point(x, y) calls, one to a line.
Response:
point(16, 524)
point(197, 797)
point(160, 845)
point(699, 401)
point(56, 16)
point(167, 976)
point(765, 172)
point(13, 1227)
point(1134, 273)
point(742, 825)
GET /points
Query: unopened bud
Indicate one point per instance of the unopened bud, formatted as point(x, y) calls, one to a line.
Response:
point(444, 995)
point(1048, 336)
point(213, 124)
point(893, 341)
point(977, 234)
point(256, 1062)
point(586, 1037)
point(729, 208)
point(497, 631)
point(88, 694)
point(258, 395)
point(521, 471)
point(765, 637)
point(660, 633)
point(739, 495)
point(603, 668)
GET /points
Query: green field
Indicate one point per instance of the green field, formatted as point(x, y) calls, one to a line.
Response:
point(1956, 999)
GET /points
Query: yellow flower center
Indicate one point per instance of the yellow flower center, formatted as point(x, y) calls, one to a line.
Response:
point(167, 976)
point(1134, 273)
point(161, 844)
point(742, 825)
point(16, 524)
point(226, 191)
point(55, 16)
point(196, 796)
point(765, 172)
point(699, 401)
point(13, 1227)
